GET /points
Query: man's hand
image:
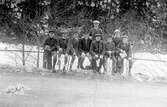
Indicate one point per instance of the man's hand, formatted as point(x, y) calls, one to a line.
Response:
point(101, 56)
point(87, 54)
point(60, 49)
point(83, 54)
point(47, 47)
point(130, 58)
point(96, 56)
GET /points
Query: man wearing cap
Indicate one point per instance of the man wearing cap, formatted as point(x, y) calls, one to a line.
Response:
point(97, 52)
point(63, 46)
point(50, 45)
point(126, 54)
point(73, 48)
point(96, 30)
point(84, 48)
point(109, 55)
point(117, 39)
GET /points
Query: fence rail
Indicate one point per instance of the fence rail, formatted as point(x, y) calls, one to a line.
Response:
point(20, 51)
point(4, 50)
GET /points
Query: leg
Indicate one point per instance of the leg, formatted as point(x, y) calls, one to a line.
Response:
point(94, 64)
point(130, 66)
point(72, 61)
point(81, 61)
point(114, 65)
point(101, 64)
point(44, 60)
point(65, 62)
point(55, 60)
point(120, 65)
point(49, 60)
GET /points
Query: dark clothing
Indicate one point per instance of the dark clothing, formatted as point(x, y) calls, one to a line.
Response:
point(63, 43)
point(52, 42)
point(73, 46)
point(94, 31)
point(117, 61)
point(109, 53)
point(84, 45)
point(126, 47)
point(94, 63)
point(109, 46)
point(117, 41)
point(97, 47)
point(47, 57)
point(47, 60)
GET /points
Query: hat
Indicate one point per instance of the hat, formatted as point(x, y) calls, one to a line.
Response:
point(52, 30)
point(96, 21)
point(124, 36)
point(117, 30)
point(98, 34)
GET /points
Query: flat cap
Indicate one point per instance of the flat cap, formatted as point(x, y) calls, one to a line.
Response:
point(96, 21)
point(117, 30)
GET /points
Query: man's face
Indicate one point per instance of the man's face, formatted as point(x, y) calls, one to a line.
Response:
point(109, 39)
point(65, 35)
point(76, 35)
point(117, 34)
point(98, 38)
point(96, 25)
point(125, 40)
point(86, 36)
point(51, 35)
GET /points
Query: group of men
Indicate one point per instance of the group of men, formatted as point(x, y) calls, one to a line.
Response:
point(108, 54)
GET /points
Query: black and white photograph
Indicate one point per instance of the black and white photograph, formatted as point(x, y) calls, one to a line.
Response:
point(83, 53)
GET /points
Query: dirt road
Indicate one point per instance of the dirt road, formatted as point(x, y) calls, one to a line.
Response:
point(67, 92)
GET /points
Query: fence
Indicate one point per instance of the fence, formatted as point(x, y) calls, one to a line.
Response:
point(20, 57)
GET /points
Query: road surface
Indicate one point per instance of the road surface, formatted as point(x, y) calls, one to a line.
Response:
point(53, 91)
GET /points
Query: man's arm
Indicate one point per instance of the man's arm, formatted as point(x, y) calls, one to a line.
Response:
point(91, 48)
point(104, 48)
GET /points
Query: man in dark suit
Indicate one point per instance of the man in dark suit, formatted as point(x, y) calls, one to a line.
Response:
point(97, 51)
point(96, 30)
point(84, 48)
point(50, 45)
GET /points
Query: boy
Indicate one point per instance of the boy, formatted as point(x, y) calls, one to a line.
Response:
point(109, 56)
point(50, 45)
point(97, 52)
point(84, 49)
point(126, 54)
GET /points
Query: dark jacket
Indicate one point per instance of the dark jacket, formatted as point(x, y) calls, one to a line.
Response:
point(52, 42)
point(63, 43)
point(73, 46)
point(117, 41)
point(94, 31)
point(84, 45)
point(97, 47)
point(109, 46)
point(126, 47)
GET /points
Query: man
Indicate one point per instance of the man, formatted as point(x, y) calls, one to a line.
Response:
point(73, 50)
point(96, 30)
point(97, 51)
point(50, 45)
point(126, 55)
point(84, 49)
point(117, 41)
point(63, 44)
point(55, 53)
point(117, 37)
point(109, 56)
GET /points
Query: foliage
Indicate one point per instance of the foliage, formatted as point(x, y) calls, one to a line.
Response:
point(137, 18)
